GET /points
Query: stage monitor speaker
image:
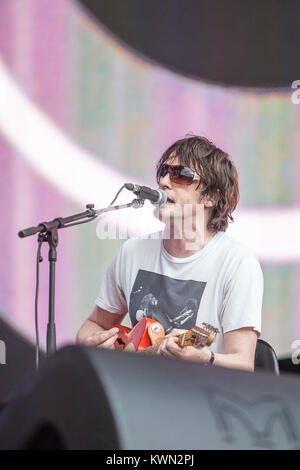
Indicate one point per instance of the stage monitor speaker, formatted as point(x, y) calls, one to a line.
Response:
point(17, 358)
point(87, 398)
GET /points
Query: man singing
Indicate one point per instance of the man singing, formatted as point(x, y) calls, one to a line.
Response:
point(186, 277)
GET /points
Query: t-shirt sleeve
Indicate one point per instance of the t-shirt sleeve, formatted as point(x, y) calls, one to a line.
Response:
point(242, 305)
point(111, 295)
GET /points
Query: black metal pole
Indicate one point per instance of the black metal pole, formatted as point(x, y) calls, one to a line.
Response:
point(52, 237)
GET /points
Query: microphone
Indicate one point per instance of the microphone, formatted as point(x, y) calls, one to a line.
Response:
point(158, 197)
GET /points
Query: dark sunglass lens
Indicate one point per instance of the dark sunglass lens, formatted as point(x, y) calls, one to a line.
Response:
point(161, 172)
point(183, 175)
point(178, 174)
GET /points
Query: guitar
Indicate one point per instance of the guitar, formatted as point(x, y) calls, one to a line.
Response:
point(147, 335)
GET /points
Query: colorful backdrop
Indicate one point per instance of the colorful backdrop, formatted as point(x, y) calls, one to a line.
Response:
point(80, 114)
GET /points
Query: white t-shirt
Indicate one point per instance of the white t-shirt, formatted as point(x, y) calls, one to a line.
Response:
point(222, 284)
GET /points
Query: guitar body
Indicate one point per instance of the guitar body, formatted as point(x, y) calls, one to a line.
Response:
point(144, 334)
point(148, 334)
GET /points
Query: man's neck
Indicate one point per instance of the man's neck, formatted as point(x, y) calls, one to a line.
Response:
point(183, 247)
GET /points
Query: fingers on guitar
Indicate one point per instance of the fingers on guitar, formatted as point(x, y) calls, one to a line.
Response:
point(170, 346)
point(103, 337)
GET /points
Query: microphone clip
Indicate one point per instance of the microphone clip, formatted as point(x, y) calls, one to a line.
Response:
point(137, 203)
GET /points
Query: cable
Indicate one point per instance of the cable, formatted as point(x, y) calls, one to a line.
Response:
point(39, 259)
point(121, 189)
point(90, 219)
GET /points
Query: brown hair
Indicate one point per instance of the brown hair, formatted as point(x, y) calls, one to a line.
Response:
point(219, 178)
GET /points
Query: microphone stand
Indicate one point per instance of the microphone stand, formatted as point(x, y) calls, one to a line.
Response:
point(48, 232)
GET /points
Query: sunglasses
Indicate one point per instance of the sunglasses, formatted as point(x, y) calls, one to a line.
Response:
point(178, 174)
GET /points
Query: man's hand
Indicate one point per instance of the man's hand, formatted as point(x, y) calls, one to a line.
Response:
point(102, 339)
point(169, 348)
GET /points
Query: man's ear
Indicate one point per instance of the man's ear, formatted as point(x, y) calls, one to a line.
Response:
point(209, 202)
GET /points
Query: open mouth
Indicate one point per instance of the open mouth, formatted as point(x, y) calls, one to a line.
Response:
point(170, 201)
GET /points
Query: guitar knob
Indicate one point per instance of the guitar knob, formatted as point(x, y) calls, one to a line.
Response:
point(156, 332)
point(155, 327)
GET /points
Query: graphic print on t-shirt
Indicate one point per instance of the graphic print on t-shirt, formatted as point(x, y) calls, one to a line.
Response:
point(172, 302)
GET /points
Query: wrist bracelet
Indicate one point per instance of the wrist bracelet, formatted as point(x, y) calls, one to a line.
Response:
point(211, 360)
